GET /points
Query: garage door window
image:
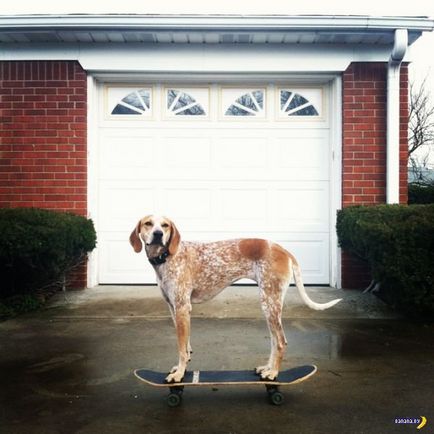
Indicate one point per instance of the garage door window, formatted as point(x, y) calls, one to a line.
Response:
point(186, 102)
point(297, 103)
point(137, 102)
point(235, 103)
point(248, 104)
point(243, 102)
point(180, 103)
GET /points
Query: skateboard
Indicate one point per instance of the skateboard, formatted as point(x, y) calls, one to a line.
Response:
point(225, 378)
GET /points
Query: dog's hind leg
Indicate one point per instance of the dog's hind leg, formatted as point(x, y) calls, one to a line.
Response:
point(272, 303)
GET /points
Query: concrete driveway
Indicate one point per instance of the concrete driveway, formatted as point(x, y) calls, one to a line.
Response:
point(69, 368)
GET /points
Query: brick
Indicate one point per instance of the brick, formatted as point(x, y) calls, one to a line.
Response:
point(364, 143)
point(41, 112)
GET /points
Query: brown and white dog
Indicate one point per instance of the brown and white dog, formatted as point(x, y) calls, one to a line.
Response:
point(193, 272)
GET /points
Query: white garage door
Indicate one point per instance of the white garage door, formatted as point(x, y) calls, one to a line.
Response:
point(221, 161)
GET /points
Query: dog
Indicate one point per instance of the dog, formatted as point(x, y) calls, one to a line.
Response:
point(193, 272)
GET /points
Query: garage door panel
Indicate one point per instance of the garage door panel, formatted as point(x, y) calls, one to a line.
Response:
point(241, 204)
point(192, 203)
point(186, 152)
point(241, 152)
point(310, 253)
point(297, 158)
point(301, 206)
point(124, 155)
point(124, 206)
point(120, 264)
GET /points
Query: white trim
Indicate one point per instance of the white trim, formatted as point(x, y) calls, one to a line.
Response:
point(335, 177)
point(333, 95)
point(246, 78)
point(92, 172)
point(201, 58)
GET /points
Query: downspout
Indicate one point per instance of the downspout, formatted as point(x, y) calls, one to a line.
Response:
point(393, 108)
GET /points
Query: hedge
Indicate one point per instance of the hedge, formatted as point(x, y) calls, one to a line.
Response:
point(38, 247)
point(398, 244)
point(420, 194)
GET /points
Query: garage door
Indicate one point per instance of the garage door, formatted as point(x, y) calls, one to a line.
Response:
point(222, 161)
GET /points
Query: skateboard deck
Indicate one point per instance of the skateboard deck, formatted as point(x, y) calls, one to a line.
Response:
point(226, 378)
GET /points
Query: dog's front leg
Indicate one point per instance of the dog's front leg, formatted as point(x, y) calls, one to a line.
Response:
point(182, 323)
point(189, 349)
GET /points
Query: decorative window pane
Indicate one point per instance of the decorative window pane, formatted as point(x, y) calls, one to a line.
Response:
point(123, 110)
point(307, 111)
point(249, 103)
point(183, 103)
point(137, 102)
point(259, 96)
point(235, 110)
point(294, 104)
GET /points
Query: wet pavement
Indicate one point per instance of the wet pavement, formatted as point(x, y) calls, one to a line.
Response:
point(69, 369)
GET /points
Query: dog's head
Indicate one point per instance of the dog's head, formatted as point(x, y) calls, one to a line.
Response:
point(155, 231)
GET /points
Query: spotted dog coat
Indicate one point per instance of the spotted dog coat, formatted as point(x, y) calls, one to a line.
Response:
point(190, 272)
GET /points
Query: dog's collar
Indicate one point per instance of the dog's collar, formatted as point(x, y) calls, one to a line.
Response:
point(158, 260)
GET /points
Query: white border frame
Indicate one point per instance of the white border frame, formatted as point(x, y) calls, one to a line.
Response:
point(92, 173)
point(96, 84)
point(335, 107)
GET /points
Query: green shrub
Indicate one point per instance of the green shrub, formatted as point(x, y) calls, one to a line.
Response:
point(398, 244)
point(18, 304)
point(420, 194)
point(37, 247)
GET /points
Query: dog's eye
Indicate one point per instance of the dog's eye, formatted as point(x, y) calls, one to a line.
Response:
point(148, 224)
point(165, 225)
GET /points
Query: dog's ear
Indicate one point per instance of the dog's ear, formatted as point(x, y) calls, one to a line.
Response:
point(174, 239)
point(135, 238)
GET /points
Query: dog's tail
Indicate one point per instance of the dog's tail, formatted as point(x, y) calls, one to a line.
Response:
point(302, 291)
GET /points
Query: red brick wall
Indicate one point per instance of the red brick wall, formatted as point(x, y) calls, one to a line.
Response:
point(364, 148)
point(43, 121)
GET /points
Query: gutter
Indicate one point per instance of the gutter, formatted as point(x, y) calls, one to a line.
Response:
point(393, 109)
point(214, 22)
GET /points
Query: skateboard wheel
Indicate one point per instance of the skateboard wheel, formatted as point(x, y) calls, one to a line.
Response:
point(276, 398)
point(174, 399)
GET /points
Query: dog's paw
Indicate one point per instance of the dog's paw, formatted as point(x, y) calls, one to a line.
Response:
point(269, 374)
point(175, 377)
point(260, 369)
point(174, 369)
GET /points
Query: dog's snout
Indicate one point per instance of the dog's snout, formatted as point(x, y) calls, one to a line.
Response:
point(158, 235)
